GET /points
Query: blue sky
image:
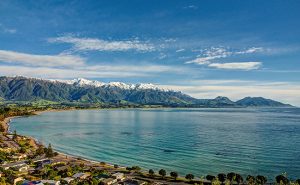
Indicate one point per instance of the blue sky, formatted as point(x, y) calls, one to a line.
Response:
point(203, 48)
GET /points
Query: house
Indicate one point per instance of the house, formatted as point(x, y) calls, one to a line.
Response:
point(43, 162)
point(22, 168)
point(61, 168)
point(119, 176)
point(13, 165)
point(18, 157)
point(109, 181)
point(68, 179)
point(32, 183)
point(51, 182)
point(81, 175)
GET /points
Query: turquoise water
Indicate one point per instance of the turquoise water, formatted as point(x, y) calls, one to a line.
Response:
point(198, 141)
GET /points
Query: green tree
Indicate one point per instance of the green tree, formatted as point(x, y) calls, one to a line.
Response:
point(261, 180)
point(239, 179)
point(49, 152)
point(40, 150)
point(151, 172)
point(251, 180)
point(174, 175)
point(210, 177)
point(222, 177)
point(189, 177)
point(281, 179)
point(216, 181)
point(231, 176)
point(15, 135)
point(136, 168)
point(162, 173)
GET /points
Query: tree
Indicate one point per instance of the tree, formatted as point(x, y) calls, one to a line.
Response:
point(222, 177)
point(298, 181)
point(210, 177)
point(250, 179)
point(189, 177)
point(216, 181)
point(40, 150)
point(116, 166)
point(162, 173)
point(231, 176)
point(49, 151)
point(174, 175)
point(136, 168)
point(261, 180)
point(15, 135)
point(239, 179)
point(281, 179)
point(151, 172)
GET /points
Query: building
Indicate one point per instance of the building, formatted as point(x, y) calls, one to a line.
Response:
point(81, 175)
point(119, 176)
point(109, 181)
point(13, 165)
point(18, 157)
point(51, 182)
point(68, 179)
point(22, 168)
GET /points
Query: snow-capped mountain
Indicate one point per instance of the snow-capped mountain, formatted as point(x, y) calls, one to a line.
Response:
point(81, 82)
point(113, 93)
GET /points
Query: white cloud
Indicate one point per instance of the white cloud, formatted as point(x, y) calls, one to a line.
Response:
point(40, 60)
point(250, 50)
point(208, 57)
point(47, 72)
point(93, 44)
point(162, 56)
point(191, 7)
point(236, 65)
point(7, 30)
point(180, 50)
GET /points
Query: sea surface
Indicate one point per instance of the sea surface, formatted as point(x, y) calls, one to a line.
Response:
point(202, 141)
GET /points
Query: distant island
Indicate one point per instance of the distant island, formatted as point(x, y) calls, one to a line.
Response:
point(86, 93)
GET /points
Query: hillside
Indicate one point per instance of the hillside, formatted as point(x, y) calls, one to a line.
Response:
point(91, 92)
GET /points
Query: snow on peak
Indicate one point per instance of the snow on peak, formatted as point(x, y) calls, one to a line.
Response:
point(81, 82)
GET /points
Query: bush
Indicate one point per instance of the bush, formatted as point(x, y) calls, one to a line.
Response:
point(162, 172)
point(189, 176)
point(281, 179)
point(210, 177)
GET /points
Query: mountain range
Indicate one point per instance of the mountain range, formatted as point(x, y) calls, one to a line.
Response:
point(91, 92)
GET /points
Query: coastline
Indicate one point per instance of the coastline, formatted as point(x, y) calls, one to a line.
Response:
point(75, 158)
point(61, 156)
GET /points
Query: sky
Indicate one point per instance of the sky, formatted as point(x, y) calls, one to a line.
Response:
point(204, 48)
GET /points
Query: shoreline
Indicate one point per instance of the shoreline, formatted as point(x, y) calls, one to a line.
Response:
point(65, 157)
point(61, 155)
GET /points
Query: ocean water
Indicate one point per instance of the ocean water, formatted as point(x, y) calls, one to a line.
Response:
point(199, 141)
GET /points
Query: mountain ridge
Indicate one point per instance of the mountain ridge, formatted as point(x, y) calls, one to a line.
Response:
point(86, 91)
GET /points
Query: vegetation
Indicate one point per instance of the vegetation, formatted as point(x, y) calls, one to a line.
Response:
point(162, 173)
point(151, 172)
point(189, 176)
point(174, 175)
point(222, 177)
